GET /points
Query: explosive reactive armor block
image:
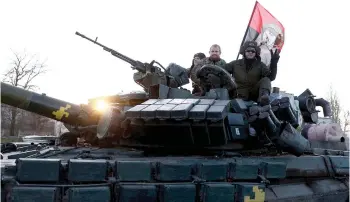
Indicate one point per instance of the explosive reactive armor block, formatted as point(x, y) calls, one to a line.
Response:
point(21, 194)
point(187, 122)
point(239, 130)
point(87, 194)
point(29, 171)
point(133, 171)
point(94, 170)
point(209, 122)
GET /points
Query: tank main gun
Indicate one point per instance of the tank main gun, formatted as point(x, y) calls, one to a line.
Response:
point(59, 110)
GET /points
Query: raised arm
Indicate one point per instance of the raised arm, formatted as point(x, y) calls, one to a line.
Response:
point(271, 72)
point(267, 72)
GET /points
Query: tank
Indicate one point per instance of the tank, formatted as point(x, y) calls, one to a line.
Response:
point(170, 145)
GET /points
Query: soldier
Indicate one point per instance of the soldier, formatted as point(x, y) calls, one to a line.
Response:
point(253, 77)
point(214, 56)
point(191, 72)
point(213, 59)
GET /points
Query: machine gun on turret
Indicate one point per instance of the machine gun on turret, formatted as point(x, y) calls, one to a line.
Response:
point(135, 64)
point(148, 74)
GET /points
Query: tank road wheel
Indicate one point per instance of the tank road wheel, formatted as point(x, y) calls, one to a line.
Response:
point(212, 76)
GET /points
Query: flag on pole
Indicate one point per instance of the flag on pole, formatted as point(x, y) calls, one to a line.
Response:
point(266, 30)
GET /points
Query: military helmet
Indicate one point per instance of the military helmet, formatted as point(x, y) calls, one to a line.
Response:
point(248, 44)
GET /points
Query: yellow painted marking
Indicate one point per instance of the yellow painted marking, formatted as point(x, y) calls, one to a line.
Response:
point(61, 112)
point(259, 195)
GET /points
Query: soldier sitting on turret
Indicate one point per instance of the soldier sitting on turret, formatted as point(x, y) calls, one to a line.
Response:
point(199, 60)
point(253, 77)
point(192, 72)
point(214, 56)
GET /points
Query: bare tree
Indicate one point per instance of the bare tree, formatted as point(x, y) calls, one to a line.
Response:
point(40, 123)
point(339, 115)
point(334, 101)
point(346, 121)
point(24, 68)
point(5, 116)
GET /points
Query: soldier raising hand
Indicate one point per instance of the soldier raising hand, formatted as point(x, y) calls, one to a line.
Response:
point(253, 77)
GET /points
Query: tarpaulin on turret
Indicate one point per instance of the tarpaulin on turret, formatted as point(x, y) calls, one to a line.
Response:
point(266, 30)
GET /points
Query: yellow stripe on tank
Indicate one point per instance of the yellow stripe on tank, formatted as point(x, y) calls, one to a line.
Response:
point(61, 112)
point(259, 195)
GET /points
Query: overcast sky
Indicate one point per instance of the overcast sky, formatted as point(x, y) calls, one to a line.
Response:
point(314, 54)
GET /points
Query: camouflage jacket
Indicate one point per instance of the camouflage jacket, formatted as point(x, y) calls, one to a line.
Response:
point(245, 78)
point(205, 61)
point(220, 63)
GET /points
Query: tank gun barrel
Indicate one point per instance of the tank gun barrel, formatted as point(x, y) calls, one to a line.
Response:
point(41, 104)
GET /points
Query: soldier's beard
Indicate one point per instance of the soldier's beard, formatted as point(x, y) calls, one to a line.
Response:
point(215, 58)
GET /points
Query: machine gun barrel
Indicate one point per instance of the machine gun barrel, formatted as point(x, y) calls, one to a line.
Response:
point(139, 66)
point(41, 104)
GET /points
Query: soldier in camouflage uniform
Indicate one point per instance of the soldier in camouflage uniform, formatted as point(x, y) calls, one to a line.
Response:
point(253, 77)
point(214, 59)
point(214, 56)
point(191, 72)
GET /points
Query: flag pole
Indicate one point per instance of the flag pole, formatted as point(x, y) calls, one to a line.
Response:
point(246, 31)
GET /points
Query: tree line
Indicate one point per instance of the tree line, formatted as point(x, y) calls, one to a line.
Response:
point(24, 68)
point(339, 113)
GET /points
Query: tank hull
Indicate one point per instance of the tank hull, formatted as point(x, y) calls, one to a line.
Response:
point(131, 176)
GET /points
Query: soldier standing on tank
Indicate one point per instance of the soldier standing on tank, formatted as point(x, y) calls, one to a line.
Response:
point(253, 77)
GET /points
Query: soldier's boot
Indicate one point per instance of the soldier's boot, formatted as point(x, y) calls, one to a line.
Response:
point(264, 98)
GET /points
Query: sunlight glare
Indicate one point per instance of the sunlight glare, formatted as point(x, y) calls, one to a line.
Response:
point(101, 105)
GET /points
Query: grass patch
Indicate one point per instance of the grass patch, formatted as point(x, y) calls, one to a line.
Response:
point(10, 139)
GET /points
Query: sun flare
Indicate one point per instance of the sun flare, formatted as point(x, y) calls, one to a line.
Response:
point(101, 105)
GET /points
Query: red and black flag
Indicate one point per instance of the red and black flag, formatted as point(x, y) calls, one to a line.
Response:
point(265, 29)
